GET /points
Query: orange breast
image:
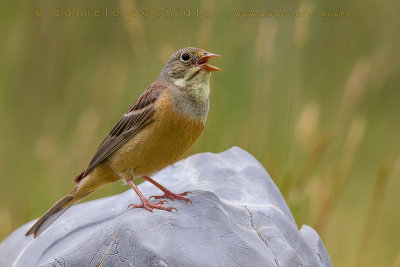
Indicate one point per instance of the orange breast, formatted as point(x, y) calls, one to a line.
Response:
point(159, 144)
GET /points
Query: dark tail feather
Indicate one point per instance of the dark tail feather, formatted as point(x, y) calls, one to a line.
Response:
point(79, 177)
point(80, 191)
point(50, 216)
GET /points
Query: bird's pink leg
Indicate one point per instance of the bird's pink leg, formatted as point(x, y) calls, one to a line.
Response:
point(145, 203)
point(167, 194)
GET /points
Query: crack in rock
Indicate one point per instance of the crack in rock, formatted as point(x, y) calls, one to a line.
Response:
point(258, 233)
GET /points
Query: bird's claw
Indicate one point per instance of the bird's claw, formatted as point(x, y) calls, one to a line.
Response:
point(150, 206)
point(173, 196)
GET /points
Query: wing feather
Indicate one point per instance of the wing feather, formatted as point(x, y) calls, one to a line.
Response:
point(137, 116)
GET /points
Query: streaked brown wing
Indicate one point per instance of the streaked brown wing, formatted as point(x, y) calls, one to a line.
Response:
point(137, 116)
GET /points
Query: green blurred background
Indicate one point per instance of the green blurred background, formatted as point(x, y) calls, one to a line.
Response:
point(315, 99)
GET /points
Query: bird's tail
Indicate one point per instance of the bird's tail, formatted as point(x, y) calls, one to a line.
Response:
point(85, 184)
point(76, 194)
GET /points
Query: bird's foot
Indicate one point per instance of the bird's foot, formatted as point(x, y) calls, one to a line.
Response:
point(168, 194)
point(150, 206)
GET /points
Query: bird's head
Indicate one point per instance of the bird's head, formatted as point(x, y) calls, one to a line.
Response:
point(188, 68)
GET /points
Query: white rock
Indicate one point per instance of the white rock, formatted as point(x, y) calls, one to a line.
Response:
point(238, 218)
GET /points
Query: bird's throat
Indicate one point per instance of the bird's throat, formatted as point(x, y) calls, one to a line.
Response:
point(196, 84)
point(191, 101)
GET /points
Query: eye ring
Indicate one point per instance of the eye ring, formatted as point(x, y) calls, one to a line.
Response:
point(185, 56)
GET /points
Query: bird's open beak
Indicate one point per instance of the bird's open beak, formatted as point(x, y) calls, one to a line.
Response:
point(202, 62)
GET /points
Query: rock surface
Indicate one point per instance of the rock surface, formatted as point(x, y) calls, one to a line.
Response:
point(238, 218)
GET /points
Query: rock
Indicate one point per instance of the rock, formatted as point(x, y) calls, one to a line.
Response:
point(238, 218)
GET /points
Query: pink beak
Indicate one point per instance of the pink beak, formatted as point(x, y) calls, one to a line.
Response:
point(202, 62)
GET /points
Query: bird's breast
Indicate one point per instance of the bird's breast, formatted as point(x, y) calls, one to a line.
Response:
point(161, 143)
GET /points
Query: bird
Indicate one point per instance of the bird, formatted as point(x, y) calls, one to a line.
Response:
point(155, 132)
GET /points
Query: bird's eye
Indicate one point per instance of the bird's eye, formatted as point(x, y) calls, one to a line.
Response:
point(185, 56)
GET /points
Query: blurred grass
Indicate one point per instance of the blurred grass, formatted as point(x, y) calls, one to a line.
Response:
point(315, 100)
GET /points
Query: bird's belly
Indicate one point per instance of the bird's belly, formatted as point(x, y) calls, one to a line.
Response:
point(159, 144)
